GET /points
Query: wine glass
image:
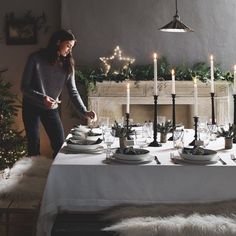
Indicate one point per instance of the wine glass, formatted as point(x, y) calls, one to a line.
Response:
point(103, 123)
point(108, 138)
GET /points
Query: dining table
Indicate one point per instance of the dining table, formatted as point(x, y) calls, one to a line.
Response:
point(87, 182)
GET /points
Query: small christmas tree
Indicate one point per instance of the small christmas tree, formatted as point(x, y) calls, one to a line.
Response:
point(12, 143)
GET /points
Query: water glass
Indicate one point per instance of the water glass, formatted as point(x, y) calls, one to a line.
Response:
point(108, 138)
point(178, 138)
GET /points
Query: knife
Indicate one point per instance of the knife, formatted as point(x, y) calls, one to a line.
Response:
point(223, 162)
point(157, 161)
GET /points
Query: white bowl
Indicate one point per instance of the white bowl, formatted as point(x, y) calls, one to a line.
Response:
point(132, 157)
point(207, 156)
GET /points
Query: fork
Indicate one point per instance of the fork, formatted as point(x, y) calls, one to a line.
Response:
point(233, 158)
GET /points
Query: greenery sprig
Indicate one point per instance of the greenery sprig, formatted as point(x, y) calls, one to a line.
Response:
point(200, 70)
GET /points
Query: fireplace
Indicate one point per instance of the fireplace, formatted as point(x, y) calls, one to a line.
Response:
point(109, 99)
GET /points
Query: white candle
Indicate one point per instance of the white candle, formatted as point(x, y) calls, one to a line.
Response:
point(195, 97)
point(173, 81)
point(155, 73)
point(212, 73)
point(234, 79)
point(128, 99)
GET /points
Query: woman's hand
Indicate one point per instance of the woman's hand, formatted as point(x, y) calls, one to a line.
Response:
point(92, 115)
point(49, 102)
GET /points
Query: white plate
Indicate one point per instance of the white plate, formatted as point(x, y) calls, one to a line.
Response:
point(98, 150)
point(211, 156)
point(148, 159)
point(131, 157)
point(195, 162)
point(76, 146)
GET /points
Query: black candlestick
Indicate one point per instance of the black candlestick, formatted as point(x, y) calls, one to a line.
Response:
point(234, 95)
point(173, 116)
point(213, 109)
point(155, 142)
point(194, 142)
point(127, 126)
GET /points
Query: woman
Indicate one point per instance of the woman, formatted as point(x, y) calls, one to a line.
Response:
point(44, 76)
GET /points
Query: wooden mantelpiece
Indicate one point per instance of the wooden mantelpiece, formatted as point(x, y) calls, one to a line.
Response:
point(109, 99)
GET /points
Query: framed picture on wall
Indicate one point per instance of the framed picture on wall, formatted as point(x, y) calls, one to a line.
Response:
point(20, 32)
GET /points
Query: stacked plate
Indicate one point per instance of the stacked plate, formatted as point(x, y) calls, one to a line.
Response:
point(134, 156)
point(84, 146)
point(205, 158)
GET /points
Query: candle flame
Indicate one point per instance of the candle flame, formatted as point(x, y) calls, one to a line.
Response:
point(195, 80)
point(155, 56)
point(211, 57)
point(128, 86)
point(234, 67)
point(173, 72)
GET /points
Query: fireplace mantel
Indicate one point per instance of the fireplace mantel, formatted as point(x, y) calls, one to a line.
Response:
point(109, 98)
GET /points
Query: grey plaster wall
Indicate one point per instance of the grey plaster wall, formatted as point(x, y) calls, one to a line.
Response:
point(133, 24)
point(13, 57)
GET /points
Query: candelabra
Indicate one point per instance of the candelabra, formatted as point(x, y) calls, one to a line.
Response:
point(155, 142)
point(213, 109)
point(173, 116)
point(234, 95)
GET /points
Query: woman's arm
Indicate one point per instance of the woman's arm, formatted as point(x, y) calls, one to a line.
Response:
point(26, 81)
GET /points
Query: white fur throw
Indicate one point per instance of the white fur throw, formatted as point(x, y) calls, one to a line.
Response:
point(209, 219)
point(26, 180)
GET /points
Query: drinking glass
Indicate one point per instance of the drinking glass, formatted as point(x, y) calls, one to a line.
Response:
point(213, 131)
point(103, 123)
point(108, 138)
point(141, 139)
point(204, 136)
point(178, 138)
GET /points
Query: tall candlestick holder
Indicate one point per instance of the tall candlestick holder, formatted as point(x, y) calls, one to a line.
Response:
point(213, 109)
point(194, 142)
point(127, 126)
point(234, 95)
point(155, 143)
point(173, 116)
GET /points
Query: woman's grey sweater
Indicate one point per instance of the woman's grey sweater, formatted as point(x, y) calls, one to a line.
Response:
point(40, 78)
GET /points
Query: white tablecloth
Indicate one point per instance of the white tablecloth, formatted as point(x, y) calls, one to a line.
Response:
point(83, 182)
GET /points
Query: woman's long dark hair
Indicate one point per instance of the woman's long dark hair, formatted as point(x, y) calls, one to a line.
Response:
point(51, 51)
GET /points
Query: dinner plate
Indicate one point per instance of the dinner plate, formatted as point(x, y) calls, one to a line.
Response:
point(211, 155)
point(132, 157)
point(98, 150)
point(180, 160)
point(83, 144)
point(146, 160)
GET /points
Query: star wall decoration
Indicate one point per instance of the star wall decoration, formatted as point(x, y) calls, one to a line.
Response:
point(116, 63)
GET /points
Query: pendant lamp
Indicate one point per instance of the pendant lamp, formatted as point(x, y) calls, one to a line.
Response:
point(176, 25)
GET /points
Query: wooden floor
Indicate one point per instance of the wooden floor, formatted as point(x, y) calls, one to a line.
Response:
point(18, 218)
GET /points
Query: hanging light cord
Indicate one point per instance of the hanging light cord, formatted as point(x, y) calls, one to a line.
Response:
point(176, 8)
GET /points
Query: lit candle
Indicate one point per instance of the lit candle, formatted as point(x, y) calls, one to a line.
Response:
point(173, 81)
point(212, 73)
point(128, 98)
point(234, 79)
point(155, 73)
point(195, 97)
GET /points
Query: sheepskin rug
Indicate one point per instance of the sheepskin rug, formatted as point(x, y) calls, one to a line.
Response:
point(26, 179)
point(209, 219)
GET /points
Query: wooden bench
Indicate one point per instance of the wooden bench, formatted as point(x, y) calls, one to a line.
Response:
point(81, 224)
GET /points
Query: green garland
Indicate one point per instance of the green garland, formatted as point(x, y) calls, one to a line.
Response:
point(199, 70)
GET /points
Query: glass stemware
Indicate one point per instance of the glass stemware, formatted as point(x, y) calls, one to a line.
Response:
point(108, 138)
